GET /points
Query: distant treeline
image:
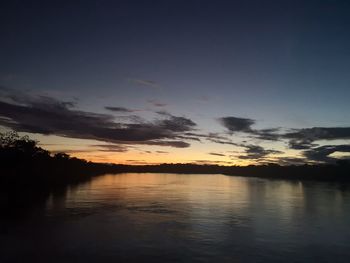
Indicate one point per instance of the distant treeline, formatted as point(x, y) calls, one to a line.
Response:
point(24, 163)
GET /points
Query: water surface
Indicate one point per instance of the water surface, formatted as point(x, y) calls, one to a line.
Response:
point(183, 218)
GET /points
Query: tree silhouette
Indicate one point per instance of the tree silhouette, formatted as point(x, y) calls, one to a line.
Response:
point(22, 147)
point(25, 164)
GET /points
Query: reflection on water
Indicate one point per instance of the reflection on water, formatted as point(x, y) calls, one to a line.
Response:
point(182, 218)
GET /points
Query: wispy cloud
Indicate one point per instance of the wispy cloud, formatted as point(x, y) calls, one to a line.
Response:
point(216, 154)
point(119, 109)
point(298, 139)
point(211, 162)
point(111, 147)
point(256, 152)
point(162, 152)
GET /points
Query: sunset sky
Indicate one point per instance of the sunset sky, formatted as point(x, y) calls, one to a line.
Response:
point(215, 82)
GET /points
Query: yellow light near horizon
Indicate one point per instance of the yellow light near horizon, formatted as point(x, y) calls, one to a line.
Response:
point(135, 158)
point(198, 153)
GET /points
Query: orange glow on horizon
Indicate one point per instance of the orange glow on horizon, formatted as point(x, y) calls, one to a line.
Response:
point(154, 159)
point(198, 153)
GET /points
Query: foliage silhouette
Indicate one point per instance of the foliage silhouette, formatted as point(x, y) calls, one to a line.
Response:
point(30, 174)
point(25, 165)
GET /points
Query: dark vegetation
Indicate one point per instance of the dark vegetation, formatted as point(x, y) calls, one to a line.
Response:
point(24, 163)
point(29, 174)
point(30, 171)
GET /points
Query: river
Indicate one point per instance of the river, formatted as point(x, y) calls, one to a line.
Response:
point(184, 218)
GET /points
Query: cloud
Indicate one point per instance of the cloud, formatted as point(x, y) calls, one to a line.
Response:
point(69, 151)
point(320, 133)
point(211, 137)
point(270, 134)
point(300, 144)
point(119, 109)
point(289, 161)
point(111, 147)
point(186, 137)
point(176, 124)
point(199, 136)
point(322, 153)
point(47, 115)
point(234, 124)
point(139, 162)
point(256, 152)
point(210, 162)
point(300, 139)
point(175, 144)
point(217, 154)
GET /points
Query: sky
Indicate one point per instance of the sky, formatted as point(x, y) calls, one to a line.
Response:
point(207, 82)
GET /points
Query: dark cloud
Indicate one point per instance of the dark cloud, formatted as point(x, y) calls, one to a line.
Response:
point(129, 118)
point(47, 115)
point(256, 152)
point(176, 124)
point(300, 144)
point(303, 138)
point(209, 137)
point(18, 97)
point(217, 154)
point(224, 142)
point(289, 161)
point(212, 137)
point(69, 151)
point(186, 137)
point(119, 109)
point(211, 162)
point(234, 124)
point(322, 153)
point(298, 139)
point(320, 133)
point(175, 144)
point(111, 147)
point(267, 134)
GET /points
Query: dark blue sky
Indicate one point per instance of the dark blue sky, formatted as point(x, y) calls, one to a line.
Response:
point(283, 64)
